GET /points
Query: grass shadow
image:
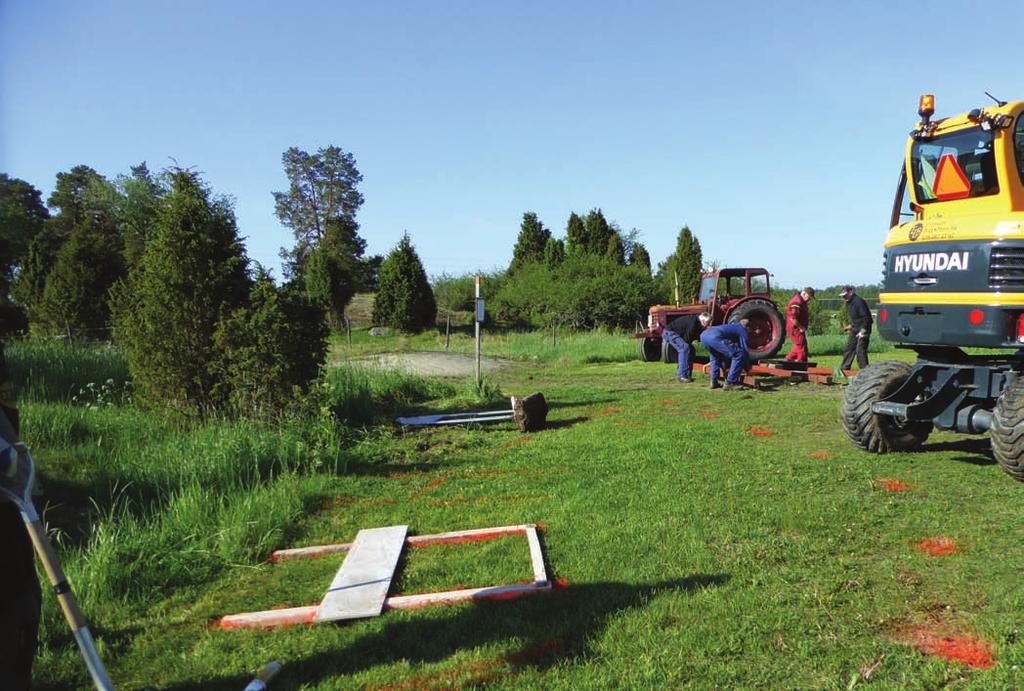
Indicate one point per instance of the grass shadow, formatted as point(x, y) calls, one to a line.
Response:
point(977, 451)
point(552, 629)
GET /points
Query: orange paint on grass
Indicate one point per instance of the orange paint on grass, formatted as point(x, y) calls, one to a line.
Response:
point(668, 401)
point(938, 546)
point(761, 432)
point(516, 442)
point(608, 411)
point(974, 652)
point(892, 485)
point(820, 455)
point(708, 415)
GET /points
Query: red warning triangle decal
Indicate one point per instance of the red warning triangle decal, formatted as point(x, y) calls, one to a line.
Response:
point(950, 181)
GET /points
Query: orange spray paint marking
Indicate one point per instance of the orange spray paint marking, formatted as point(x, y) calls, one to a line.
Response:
point(609, 411)
point(820, 455)
point(516, 442)
point(761, 432)
point(938, 546)
point(892, 485)
point(967, 650)
point(708, 415)
point(668, 401)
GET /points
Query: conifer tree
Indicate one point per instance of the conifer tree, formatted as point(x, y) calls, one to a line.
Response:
point(554, 253)
point(404, 298)
point(193, 272)
point(640, 257)
point(533, 236)
point(575, 235)
point(686, 263)
point(615, 251)
point(597, 233)
point(75, 300)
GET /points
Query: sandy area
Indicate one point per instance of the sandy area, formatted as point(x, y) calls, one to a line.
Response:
point(435, 364)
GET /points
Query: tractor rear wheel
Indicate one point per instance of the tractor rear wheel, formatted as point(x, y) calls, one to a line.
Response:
point(1008, 430)
point(879, 433)
point(650, 349)
point(766, 330)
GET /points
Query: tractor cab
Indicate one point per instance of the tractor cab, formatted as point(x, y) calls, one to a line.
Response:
point(723, 289)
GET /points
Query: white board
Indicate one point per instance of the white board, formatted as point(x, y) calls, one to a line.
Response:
point(361, 584)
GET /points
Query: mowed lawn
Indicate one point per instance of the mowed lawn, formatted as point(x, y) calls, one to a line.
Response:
point(700, 539)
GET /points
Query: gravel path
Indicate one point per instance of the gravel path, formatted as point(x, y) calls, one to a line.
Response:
point(435, 364)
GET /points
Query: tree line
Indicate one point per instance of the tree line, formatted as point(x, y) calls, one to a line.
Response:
point(156, 264)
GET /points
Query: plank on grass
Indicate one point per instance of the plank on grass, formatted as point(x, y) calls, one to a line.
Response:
point(361, 584)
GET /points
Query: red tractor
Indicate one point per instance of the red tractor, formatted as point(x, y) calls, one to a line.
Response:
point(729, 295)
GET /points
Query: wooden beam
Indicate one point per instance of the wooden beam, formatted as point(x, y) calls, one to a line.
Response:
point(361, 584)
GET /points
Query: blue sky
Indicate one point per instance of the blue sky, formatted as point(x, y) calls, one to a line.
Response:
point(773, 129)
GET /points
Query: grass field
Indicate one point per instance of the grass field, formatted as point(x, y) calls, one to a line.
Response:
point(704, 538)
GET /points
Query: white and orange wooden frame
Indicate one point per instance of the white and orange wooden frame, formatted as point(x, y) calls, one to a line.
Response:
point(368, 579)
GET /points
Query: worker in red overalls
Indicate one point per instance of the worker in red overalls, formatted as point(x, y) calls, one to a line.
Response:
point(798, 318)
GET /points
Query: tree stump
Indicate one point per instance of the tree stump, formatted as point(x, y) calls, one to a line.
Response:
point(530, 413)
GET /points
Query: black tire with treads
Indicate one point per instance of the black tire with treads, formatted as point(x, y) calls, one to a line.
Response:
point(879, 433)
point(1007, 431)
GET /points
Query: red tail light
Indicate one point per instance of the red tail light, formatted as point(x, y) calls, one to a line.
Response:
point(976, 317)
point(1020, 328)
point(883, 316)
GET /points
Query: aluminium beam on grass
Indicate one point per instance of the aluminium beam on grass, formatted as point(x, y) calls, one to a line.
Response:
point(362, 583)
point(308, 615)
point(456, 418)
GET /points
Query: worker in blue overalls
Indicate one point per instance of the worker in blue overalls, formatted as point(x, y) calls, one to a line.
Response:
point(727, 345)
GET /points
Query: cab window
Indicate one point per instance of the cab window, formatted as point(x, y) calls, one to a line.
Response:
point(972, 153)
point(758, 283)
point(1018, 145)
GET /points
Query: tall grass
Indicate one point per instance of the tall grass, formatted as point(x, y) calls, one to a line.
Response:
point(44, 370)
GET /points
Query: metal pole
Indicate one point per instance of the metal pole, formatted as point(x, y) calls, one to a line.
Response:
point(476, 322)
point(447, 330)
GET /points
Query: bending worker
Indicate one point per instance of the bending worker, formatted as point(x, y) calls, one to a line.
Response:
point(727, 345)
point(798, 318)
point(680, 333)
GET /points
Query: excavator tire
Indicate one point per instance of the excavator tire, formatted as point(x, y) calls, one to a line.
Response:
point(1007, 431)
point(879, 433)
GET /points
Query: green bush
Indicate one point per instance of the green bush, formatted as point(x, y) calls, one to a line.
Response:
point(404, 299)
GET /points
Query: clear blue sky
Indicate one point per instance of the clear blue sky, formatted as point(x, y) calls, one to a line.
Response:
point(773, 129)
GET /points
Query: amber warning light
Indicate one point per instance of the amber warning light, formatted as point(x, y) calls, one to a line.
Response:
point(926, 107)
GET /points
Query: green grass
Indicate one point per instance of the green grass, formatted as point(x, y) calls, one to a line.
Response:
point(696, 553)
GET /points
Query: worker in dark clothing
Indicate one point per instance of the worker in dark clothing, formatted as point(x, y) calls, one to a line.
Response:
point(20, 597)
point(860, 328)
point(680, 333)
point(727, 345)
point(798, 318)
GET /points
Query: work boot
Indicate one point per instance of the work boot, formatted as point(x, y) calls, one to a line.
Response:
point(729, 386)
point(686, 380)
point(715, 385)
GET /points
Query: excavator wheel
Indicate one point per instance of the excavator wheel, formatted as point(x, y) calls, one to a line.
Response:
point(879, 433)
point(1008, 430)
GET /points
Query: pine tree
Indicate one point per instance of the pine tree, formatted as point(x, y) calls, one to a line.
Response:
point(686, 263)
point(22, 215)
point(193, 272)
point(74, 301)
point(615, 251)
point(533, 236)
point(404, 298)
point(597, 233)
point(575, 235)
point(554, 253)
point(640, 257)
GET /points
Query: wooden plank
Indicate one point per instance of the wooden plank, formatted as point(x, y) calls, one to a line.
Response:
point(361, 584)
point(500, 592)
point(540, 574)
point(458, 536)
point(311, 552)
point(269, 618)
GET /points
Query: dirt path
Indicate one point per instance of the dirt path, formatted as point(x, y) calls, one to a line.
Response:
point(435, 364)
